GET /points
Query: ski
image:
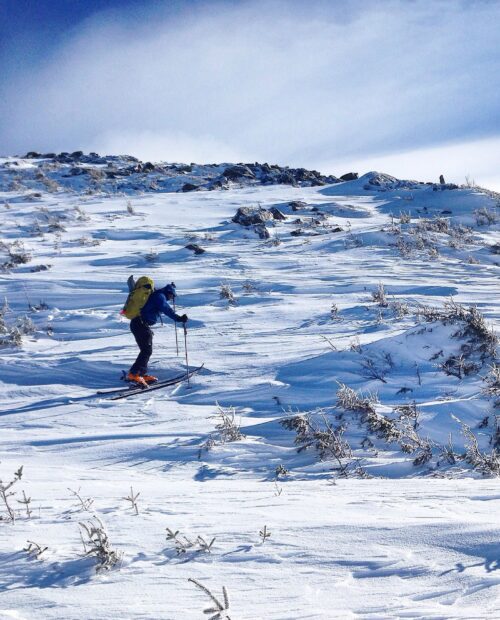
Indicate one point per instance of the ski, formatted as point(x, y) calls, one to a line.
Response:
point(131, 391)
point(135, 386)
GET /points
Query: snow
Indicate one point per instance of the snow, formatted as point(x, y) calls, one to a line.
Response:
point(390, 540)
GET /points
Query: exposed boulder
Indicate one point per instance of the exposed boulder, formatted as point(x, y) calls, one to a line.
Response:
point(221, 183)
point(381, 182)
point(277, 214)
point(64, 158)
point(443, 186)
point(250, 216)
point(194, 247)
point(262, 231)
point(189, 187)
point(349, 176)
point(286, 178)
point(184, 168)
point(297, 205)
point(240, 171)
point(77, 170)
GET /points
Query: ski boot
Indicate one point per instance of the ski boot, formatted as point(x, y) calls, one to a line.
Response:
point(149, 378)
point(133, 378)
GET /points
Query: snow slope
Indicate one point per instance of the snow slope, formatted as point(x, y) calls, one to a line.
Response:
point(372, 535)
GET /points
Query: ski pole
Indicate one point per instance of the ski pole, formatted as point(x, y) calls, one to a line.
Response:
point(186, 349)
point(176, 338)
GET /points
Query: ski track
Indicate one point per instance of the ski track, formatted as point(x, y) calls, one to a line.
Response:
point(402, 545)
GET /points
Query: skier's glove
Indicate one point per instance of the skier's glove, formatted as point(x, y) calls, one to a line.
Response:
point(182, 319)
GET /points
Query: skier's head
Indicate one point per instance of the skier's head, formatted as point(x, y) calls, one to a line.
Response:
point(169, 291)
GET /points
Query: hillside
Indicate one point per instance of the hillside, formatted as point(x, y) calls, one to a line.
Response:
point(348, 401)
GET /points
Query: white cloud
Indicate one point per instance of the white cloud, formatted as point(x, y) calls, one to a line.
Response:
point(164, 146)
point(287, 82)
point(476, 160)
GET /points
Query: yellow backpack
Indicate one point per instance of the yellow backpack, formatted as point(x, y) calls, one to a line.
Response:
point(137, 297)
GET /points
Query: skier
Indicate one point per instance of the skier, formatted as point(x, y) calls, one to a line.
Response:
point(156, 305)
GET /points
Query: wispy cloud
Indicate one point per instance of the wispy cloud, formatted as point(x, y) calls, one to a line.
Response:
point(288, 82)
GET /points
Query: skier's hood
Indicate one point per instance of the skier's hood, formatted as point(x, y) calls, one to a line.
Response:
point(169, 289)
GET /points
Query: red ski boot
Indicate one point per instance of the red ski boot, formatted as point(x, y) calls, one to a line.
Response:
point(137, 379)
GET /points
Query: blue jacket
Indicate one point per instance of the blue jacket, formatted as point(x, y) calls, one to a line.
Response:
point(157, 305)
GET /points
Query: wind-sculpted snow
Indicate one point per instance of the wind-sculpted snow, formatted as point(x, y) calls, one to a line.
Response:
point(348, 402)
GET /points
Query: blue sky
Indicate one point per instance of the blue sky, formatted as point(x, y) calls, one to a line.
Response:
point(409, 87)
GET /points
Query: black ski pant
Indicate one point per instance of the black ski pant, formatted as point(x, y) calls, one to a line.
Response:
point(143, 335)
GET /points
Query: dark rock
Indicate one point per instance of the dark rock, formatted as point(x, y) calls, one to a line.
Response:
point(189, 187)
point(195, 248)
point(134, 169)
point(382, 180)
point(495, 249)
point(277, 214)
point(249, 216)
point(32, 155)
point(37, 268)
point(349, 176)
point(262, 231)
point(76, 171)
point(296, 233)
point(444, 186)
point(219, 184)
point(337, 229)
point(267, 179)
point(297, 205)
point(233, 173)
point(63, 158)
point(148, 167)
point(183, 168)
point(77, 154)
point(286, 178)
point(48, 155)
point(446, 212)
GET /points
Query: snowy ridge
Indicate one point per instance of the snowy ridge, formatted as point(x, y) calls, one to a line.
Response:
point(352, 379)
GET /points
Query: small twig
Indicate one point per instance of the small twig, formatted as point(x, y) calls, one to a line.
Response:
point(132, 498)
point(85, 504)
point(218, 606)
point(4, 495)
point(204, 546)
point(34, 549)
point(264, 534)
point(330, 343)
point(26, 501)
